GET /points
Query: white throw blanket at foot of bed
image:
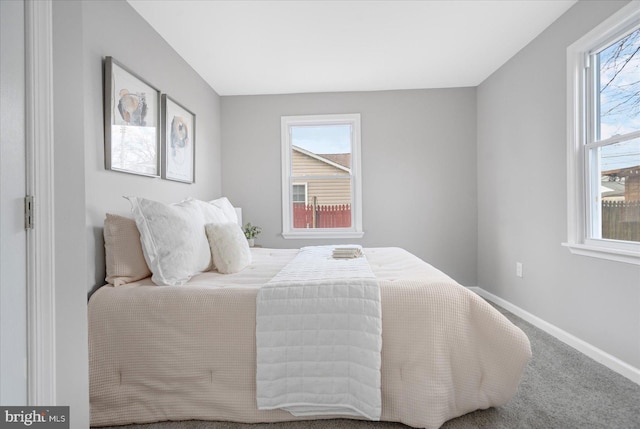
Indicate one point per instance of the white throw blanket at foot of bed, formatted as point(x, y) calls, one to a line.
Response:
point(318, 337)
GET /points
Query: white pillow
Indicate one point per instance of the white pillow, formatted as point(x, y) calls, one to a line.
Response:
point(173, 239)
point(212, 213)
point(229, 247)
point(227, 208)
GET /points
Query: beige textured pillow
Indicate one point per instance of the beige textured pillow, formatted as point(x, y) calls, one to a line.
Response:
point(123, 252)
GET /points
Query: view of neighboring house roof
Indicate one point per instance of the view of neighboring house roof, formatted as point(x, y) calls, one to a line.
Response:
point(340, 160)
point(621, 182)
point(343, 159)
point(611, 188)
point(623, 172)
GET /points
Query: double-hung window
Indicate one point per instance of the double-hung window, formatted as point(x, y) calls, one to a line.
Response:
point(604, 139)
point(321, 180)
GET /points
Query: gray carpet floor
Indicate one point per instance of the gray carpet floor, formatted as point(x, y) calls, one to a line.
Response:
point(561, 389)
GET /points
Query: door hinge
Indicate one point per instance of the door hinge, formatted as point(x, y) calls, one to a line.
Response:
point(28, 212)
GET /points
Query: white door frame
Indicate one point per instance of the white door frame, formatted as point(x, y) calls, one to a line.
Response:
point(41, 320)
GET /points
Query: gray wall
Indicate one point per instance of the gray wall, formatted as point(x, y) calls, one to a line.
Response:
point(69, 208)
point(83, 33)
point(418, 168)
point(522, 198)
point(113, 28)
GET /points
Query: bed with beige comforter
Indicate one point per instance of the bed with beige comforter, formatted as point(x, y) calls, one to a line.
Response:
point(189, 352)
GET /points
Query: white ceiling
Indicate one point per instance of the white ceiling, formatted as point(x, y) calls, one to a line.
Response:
point(278, 47)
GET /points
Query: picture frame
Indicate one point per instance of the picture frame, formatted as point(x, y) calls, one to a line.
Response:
point(131, 121)
point(178, 141)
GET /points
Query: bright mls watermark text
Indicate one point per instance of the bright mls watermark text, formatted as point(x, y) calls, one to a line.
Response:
point(34, 417)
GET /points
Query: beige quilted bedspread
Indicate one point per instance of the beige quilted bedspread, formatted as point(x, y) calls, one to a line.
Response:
point(188, 352)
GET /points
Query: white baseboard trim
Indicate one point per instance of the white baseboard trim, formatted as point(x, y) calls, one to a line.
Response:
point(600, 356)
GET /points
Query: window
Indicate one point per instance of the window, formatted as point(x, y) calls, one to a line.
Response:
point(321, 184)
point(604, 139)
point(299, 195)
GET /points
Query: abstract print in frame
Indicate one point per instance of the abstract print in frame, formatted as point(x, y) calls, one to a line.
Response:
point(178, 142)
point(132, 118)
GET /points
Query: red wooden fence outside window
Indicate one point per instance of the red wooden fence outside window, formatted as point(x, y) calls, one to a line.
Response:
point(323, 216)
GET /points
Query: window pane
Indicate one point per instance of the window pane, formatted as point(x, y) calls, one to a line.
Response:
point(619, 87)
point(328, 205)
point(332, 143)
point(322, 151)
point(620, 190)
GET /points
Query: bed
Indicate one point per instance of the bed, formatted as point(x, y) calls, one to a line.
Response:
point(188, 351)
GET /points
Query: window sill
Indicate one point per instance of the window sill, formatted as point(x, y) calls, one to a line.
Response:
point(618, 255)
point(321, 234)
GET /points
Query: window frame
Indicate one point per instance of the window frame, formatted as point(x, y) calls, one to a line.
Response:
point(580, 140)
point(288, 232)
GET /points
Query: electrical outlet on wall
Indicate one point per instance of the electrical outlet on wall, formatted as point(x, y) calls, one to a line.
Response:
point(518, 269)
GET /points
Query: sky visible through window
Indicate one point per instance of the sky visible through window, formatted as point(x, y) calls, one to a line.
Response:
point(325, 139)
point(620, 100)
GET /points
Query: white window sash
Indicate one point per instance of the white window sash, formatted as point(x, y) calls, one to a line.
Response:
point(288, 179)
point(582, 184)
